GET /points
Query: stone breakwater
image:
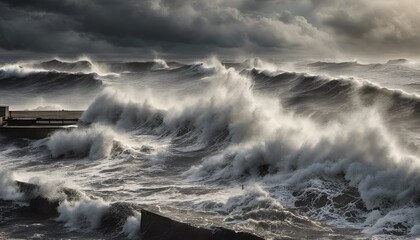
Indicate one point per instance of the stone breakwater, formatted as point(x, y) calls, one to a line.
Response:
point(116, 215)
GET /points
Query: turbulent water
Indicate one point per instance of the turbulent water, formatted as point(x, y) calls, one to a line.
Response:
point(281, 150)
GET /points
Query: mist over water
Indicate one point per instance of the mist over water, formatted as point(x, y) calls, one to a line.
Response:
point(279, 149)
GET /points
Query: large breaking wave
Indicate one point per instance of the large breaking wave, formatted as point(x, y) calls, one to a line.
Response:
point(339, 150)
point(261, 139)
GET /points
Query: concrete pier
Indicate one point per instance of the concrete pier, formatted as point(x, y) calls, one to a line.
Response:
point(35, 124)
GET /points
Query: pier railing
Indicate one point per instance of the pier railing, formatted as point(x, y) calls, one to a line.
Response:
point(40, 122)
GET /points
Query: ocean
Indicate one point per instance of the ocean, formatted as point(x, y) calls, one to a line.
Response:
point(283, 150)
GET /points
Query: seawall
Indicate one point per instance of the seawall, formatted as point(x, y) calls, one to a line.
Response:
point(153, 226)
point(35, 124)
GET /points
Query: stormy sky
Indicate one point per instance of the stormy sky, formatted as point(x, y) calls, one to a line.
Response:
point(317, 27)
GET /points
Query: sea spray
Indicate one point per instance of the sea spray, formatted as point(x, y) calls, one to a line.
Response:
point(95, 142)
point(227, 106)
point(10, 71)
point(86, 213)
point(132, 226)
point(8, 187)
point(159, 65)
point(282, 135)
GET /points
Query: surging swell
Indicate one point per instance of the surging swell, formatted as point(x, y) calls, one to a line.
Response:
point(51, 81)
point(264, 140)
point(355, 64)
point(259, 136)
point(89, 66)
point(303, 89)
point(83, 75)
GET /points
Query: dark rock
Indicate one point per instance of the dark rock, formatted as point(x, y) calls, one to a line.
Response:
point(71, 194)
point(28, 189)
point(153, 226)
point(156, 227)
point(44, 206)
point(116, 216)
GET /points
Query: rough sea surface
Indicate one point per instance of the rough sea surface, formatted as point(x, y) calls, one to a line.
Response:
point(285, 150)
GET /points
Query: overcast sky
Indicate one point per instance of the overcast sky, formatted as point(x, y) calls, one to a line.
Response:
point(202, 27)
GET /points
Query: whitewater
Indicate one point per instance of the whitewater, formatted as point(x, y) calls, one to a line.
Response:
point(284, 150)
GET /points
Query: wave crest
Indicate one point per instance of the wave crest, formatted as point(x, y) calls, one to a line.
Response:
point(95, 142)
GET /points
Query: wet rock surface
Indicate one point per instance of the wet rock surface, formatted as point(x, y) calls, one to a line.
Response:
point(154, 226)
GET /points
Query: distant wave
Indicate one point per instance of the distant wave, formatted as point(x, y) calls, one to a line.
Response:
point(106, 67)
point(335, 64)
point(399, 68)
point(356, 64)
point(137, 67)
point(397, 61)
point(46, 81)
point(303, 89)
point(14, 70)
point(249, 64)
point(57, 65)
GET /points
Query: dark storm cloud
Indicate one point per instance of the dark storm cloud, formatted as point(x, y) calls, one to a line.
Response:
point(77, 26)
point(375, 26)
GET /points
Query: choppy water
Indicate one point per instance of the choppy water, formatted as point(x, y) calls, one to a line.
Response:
point(296, 150)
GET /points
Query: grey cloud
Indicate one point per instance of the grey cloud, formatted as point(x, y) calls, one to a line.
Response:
point(136, 24)
point(374, 26)
point(202, 27)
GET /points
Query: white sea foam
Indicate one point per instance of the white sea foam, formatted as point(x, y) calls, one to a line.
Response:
point(406, 217)
point(15, 70)
point(8, 187)
point(89, 213)
point(85, 213)
point(159, 65)
point(259, 64)
point(131, 227)
point(95, 142)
